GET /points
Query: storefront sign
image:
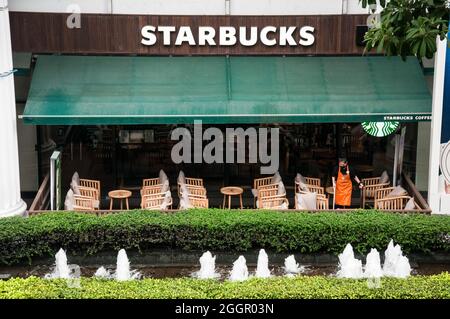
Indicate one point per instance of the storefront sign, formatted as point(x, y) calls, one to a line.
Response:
point(228, 35)
point(380, 129)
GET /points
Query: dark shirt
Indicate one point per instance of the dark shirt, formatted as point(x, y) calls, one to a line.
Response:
point(351, 170)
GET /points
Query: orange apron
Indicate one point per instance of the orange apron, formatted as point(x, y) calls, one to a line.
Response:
point(343, 189)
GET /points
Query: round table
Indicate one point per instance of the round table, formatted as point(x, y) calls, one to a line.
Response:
point(121, 195)
point(231, 191)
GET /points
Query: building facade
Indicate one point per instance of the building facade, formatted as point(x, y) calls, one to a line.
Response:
point(249, 62)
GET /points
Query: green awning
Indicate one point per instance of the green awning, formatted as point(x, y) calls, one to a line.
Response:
point(219, 90)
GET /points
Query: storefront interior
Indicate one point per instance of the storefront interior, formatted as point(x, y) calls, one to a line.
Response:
point(122, 156)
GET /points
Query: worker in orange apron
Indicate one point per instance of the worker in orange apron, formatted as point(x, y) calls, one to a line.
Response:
point(342, 183)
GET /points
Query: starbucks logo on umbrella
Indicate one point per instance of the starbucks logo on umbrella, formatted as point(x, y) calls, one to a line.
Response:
point(445, 161)
point(380, 129)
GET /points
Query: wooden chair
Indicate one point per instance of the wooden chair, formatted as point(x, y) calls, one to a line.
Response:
point(198, 202)
point(273, 202)
point(382, 193)
point(322, 202)
point(154, 190)
point(393, 203)
point(311, 188)
point(258, 182)
point(90, 183)
point(191, 182)
point(90, 193)
point(194, 181)
point(83, 203)
point(151, 182)
point(313, 181)
point(261, 182)
point(154, 201)
point(148, 190)
point(267, 193)
point(371, 185)
point(195, 191)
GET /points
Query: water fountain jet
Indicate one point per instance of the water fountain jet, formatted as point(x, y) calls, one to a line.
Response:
point(240, 270)
point(61, 269)
point(123, 271)
point(349, 266)
point(395, 264)
point(291, 266)
point(262, 268)
point(373, 265)
point(207, 267)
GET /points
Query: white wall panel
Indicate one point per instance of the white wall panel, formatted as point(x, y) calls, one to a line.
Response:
point(194, 7)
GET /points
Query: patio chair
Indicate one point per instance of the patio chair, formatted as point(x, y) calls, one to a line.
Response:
point(322, 202)
point(382, 193)
point(154, 201)
point(191, 182)
point(153, 189)
point(371, 185)
point(273, 202)
point(83, 203)
point(90, 183)
point(147, 182)
point(267, 193)
point(312, 188)
point(198, 202)
point(155, 181)
point(313, 181)
point(259, 183)
point(90, 193)
point(196, 191)
point(393, 203)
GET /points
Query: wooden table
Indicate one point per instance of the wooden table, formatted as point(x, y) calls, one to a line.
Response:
point(231, 191)
point(121, 195)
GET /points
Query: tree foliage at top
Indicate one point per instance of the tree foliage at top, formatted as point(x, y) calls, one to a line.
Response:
point(408, 27)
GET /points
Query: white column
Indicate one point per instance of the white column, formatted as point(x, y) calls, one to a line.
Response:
point(10, 201)
point(422, 155)
point(436, 125)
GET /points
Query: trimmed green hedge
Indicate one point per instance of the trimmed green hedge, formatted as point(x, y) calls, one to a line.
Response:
point(214, 229)
point(416, 287)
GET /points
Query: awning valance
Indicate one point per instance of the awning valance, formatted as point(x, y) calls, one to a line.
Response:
point(219, 90)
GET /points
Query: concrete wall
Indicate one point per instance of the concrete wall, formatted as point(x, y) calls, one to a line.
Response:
point(195, 7)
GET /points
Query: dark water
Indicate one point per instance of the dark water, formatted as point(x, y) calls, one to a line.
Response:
point(177, 271)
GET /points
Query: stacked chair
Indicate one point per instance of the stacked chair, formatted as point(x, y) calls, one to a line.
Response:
point(270, 193)
point(83, 195)
point(155, 193)
point(192, 192)
point(371, 186)
point(309, 194)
